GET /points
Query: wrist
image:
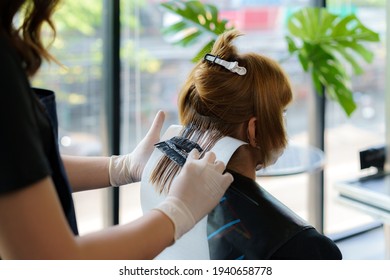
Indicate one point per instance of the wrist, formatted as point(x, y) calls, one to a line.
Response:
point(166, 224)
point(181, 217)
point(119, 170)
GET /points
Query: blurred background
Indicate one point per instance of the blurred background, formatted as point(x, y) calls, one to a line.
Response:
point(152, 70)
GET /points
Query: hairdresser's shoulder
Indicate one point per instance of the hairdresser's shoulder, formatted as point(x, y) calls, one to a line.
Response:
point(5, 49)
point(12, 75)
point(10, 61)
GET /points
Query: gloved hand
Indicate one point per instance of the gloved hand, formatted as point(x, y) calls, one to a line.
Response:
point(128, 168)
point(195, 191)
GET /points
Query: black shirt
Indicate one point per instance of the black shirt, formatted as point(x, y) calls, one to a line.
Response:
point(249, 223)
point(28, 133)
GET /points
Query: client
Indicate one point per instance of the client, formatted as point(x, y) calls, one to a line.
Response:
point(234, 105)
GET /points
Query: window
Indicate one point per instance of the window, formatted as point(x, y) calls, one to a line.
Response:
point(152, 71)
point(78, 84)
point(162, 68)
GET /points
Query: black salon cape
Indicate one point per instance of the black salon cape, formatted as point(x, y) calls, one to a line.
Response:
point(249, 223)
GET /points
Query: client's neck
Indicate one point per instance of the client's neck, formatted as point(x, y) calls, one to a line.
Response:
point(243, 162)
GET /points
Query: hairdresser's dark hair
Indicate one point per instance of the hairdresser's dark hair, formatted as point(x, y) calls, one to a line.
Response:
point(215, 102)
point(27, 37)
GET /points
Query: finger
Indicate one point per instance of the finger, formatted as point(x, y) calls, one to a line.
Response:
point(210, 157)
point(219, 166)
point(224, 183)
point(227, 180)
point(157, 124)
point(194, 154)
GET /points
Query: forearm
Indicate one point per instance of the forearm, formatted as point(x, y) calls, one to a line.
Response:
point(35, 209)
point(86, 173)
point(49, 235)
point(144, 238)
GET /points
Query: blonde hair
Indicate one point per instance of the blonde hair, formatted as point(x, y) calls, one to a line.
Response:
point(214, 102)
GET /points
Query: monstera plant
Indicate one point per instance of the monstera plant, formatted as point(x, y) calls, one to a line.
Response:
point(327, 45)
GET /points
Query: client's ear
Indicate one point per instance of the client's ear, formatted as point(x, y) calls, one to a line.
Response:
point(251, 132)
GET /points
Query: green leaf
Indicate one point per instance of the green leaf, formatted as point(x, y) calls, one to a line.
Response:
point(325, 44)
point(304, 62)
point(198, 20)
point(316, 81)
point(359, 49)
point(350, 58)
point(347, 103)
point(311, 20)
point(295, 27)
point(174, 28)
point(190, 38)
point(340, 29)
point(325, 27)
point(205, 50)
point(291, 45)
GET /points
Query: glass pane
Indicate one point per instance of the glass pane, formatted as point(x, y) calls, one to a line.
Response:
point(366, 127)
point(154, 70)
point(78, 86)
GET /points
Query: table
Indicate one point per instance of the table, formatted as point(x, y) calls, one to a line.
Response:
point(371, 195)
point(296, 159)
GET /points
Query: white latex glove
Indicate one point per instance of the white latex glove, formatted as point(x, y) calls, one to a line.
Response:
point(195, 191)
point(128, 168)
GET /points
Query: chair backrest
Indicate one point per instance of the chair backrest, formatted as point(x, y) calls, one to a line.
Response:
point(194, 244)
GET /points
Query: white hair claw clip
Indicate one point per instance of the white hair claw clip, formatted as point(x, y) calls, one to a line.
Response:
point(231, 66)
